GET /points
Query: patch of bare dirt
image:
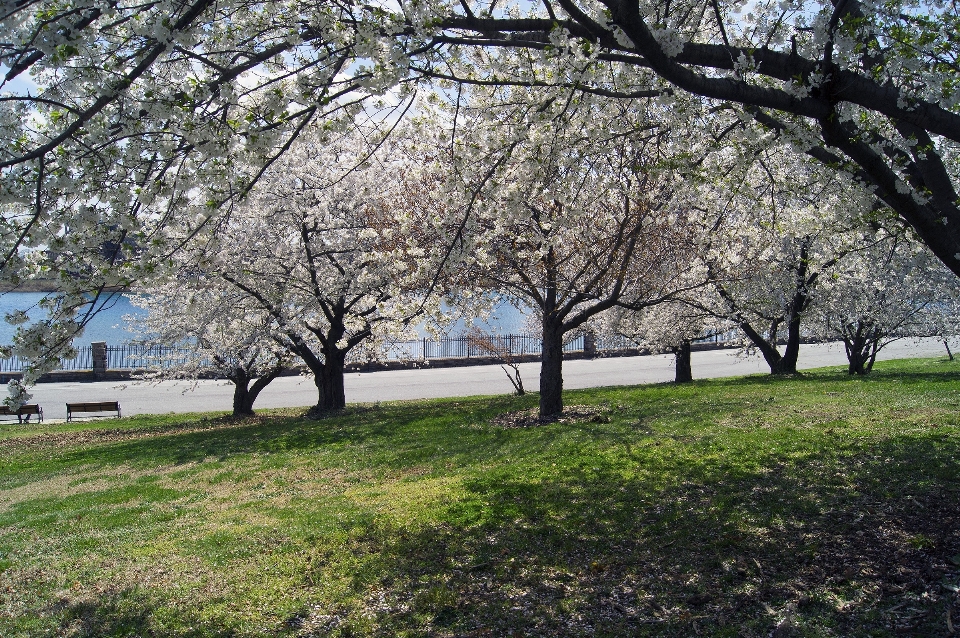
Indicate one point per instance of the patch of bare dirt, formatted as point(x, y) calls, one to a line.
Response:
point(880, 571)
point(57, 440)
point(571, 414)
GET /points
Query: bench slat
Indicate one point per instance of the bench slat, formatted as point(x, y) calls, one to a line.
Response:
point(93, 406)
point(24, 411)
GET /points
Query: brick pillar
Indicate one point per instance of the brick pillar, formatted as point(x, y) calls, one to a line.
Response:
point(589, 345)
point(99, 358)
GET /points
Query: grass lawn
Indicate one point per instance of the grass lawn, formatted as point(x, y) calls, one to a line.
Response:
point(820, 505)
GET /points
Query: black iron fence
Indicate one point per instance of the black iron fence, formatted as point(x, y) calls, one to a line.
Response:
point(472, 347)
point(128, 356)
point(83, 361)
point(133, 356)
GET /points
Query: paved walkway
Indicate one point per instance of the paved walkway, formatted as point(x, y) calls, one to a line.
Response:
point(394, 385)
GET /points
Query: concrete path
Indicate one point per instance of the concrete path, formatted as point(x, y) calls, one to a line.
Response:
point(394, 385)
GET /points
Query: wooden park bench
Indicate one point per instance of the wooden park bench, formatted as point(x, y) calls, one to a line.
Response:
point(93, 407)
point(24, 411)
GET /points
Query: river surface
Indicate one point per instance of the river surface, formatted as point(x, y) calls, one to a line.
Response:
point(113, 324)
point(110, 324)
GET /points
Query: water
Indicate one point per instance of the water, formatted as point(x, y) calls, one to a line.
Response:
point(504, 319)
point(109, 324)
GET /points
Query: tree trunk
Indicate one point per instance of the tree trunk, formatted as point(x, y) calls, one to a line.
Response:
point(515, 378)
point(872, 358)
point(245, 394)
point(684, 370)
point(330, 381)
point(770, 353)
point(551, 373)
point(785, 363)
point(242, 397)
point(862, 346)
point(862, 363)
point(801, 301)
point(856, 358)
point(327, 373)
point(788, 362)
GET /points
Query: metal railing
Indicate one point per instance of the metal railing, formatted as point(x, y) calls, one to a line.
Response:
point(83, 361)
point(134, 356)
point(473, 347)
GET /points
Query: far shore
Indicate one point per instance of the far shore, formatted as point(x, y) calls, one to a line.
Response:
point(32, 285)
point(36, 285)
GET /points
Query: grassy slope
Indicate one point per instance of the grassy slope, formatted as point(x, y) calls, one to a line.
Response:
point(815, 506)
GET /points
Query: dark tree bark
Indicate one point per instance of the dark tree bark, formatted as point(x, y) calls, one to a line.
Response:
point(785, 363)
point(330, 381)
point(515, 379)
point(242, 401)
point(861, 343)
point(768, 349)
point(867, 148)
point(684, 369)
point(245, 394)
point(861, 363)
point(804, 282)
point(327, 372)
point(551, 373)
point(788, 364)
point(570, 278)
point(319, 335)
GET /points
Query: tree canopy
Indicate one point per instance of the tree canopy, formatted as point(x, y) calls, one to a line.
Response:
point(130, 134)
point(869, 88)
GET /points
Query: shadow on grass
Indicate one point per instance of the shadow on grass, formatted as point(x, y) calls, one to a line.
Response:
point(840, 374)
point(652, 543)
point(372, 427)
point(223, 438)
point(856, 546)
point(647, 530)
point(125, 613)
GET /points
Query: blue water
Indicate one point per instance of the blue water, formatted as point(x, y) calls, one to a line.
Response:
point(109, 324)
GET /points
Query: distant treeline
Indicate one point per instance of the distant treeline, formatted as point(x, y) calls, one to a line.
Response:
point(38, 285)
point(32, 285)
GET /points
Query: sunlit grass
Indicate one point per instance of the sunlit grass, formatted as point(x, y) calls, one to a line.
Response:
point(819, 505)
